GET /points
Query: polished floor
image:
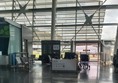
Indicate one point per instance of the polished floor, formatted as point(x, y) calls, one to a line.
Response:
point(43, 74)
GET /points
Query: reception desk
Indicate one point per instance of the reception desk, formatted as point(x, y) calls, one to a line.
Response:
point(64, 64)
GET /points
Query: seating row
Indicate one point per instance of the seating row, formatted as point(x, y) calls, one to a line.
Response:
point(24, 62)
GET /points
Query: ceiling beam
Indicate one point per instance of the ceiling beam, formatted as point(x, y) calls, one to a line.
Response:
point(61, 9)
point(102, 24)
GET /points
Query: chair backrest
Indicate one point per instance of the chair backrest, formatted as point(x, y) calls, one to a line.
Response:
point(84, 57)
point(24, 59)
point(33, 56)
point(18, 60)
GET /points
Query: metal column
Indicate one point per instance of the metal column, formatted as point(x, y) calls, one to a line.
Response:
point(12, 9)
point(73, 46)
point(116, 42)
point(99, 44)
point(53, 19)
point(33, 21)
point(74, 49)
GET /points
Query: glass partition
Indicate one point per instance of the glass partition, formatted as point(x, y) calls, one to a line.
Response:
point(15, 39)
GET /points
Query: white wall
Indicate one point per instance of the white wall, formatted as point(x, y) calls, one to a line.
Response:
point(111, 16)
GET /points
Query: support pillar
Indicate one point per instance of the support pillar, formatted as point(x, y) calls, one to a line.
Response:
point(116, 42)
point(33, 21)
point(13, 9)
point(72, 46)
point(53, 19)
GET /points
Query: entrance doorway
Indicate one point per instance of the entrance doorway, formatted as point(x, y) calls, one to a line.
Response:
point(88, 48)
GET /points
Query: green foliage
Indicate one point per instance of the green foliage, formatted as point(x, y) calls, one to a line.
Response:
point(4, 30)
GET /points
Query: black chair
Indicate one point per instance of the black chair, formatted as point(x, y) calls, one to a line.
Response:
point(84, 61)
point(70, 55)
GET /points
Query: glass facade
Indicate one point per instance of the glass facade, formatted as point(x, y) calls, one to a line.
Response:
point(15, 39)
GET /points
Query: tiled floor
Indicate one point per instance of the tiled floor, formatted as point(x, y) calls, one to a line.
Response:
point(42, 74)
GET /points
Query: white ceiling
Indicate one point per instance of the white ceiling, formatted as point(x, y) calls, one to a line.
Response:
point(111, 16)
point(43, 18)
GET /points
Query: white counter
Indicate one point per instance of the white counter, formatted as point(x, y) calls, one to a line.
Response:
point(64, 64)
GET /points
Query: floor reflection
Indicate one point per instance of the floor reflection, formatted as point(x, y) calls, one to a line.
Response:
point(43, 74)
